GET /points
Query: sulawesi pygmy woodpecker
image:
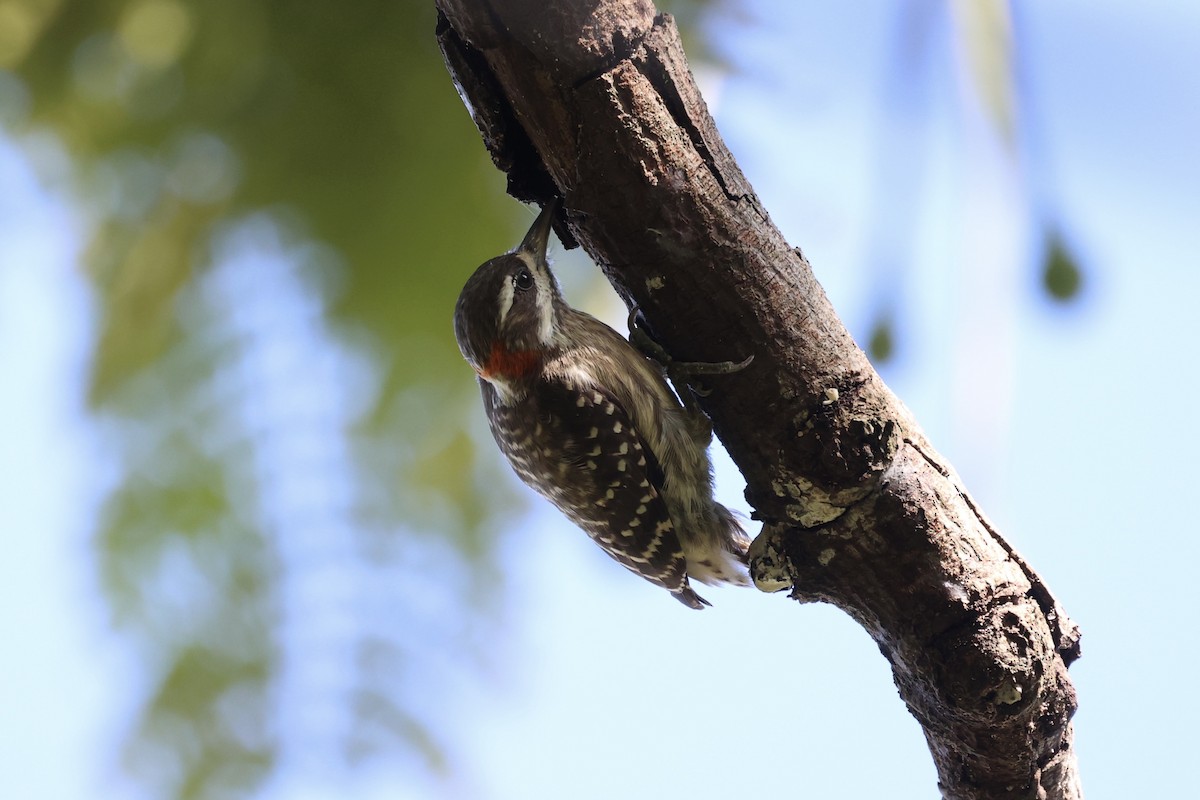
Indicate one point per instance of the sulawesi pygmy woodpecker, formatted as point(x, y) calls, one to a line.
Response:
point(590, 423)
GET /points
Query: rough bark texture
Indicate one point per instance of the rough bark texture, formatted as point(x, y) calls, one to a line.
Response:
point(594, 101)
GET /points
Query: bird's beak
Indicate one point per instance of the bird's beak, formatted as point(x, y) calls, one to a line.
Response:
point(536, 240)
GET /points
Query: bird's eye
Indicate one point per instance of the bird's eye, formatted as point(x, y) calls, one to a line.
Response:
point(523, 280)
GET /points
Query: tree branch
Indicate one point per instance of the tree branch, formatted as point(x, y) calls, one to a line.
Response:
point(595, 102)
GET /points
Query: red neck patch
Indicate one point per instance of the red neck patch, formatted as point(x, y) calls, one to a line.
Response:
point(508, 364)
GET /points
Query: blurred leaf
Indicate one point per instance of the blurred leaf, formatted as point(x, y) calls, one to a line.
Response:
point(881, 343)
point(984, 31)
point(211, 141)
point(1061, 274)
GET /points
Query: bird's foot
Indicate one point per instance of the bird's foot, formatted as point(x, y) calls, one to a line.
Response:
point(683, 374)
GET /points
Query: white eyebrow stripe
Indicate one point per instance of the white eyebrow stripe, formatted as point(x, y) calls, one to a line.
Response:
point(506, 299)
point(544, 300)
point(545, 306)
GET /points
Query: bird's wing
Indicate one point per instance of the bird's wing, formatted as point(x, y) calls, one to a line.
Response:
point(586, 457)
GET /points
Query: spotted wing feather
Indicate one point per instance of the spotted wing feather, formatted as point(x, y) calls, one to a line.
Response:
point(585, 456)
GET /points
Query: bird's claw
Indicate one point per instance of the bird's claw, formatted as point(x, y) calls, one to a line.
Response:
point(681, 373)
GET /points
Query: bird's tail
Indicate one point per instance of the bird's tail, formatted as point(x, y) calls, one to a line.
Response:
point(687, 595)
point(724, 559)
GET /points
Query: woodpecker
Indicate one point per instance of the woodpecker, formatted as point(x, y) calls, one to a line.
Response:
point(589, 422)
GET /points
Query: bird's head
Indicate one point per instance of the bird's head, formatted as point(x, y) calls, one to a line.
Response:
point(507, 316)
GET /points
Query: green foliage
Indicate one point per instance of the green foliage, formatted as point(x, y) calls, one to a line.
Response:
point(185, 120)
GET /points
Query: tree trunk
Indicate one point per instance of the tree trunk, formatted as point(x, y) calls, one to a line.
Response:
point(594, 102)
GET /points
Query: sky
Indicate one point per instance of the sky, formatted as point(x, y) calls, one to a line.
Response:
point(59, 684)
point(1060, 419)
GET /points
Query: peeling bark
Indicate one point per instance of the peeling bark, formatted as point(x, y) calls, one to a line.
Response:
point(595, 102)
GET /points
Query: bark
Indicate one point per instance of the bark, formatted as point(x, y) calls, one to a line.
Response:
point(593, 101)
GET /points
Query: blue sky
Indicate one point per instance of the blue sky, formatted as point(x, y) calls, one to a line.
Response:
point(1071, 425)
point(59, 681)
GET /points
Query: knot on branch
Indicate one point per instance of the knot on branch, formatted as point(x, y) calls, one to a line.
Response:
point(841, 446)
